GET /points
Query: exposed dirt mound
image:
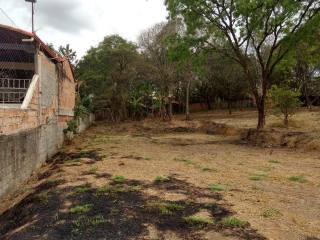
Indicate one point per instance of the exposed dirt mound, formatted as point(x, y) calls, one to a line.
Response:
point(282, 138)
point(213, 128)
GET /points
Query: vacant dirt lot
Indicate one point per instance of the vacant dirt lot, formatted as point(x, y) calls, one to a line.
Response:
point(180, 180)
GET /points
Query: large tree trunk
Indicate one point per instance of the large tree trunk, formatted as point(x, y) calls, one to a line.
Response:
point(188, 100)
point(261, 112)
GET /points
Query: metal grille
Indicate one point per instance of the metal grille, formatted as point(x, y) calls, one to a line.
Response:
point(16, 66)
point(13, 90)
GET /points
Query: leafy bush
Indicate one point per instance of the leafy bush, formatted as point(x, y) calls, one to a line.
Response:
point(72, 127)
point(285, 100)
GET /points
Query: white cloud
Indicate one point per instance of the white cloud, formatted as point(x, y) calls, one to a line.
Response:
point(84, 23)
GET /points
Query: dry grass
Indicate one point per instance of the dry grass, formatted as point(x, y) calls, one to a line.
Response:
point(260, 185)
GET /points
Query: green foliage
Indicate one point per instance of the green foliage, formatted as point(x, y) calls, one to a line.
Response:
point(286, 100)
point(257, 34)
point(69, 53)
point(72, 127)
point(108, 72)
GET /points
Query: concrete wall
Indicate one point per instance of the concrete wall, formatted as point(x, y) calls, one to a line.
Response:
point(18, 158)
point(86, 122)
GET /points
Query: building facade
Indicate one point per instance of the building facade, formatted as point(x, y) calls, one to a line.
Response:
point(37, 98)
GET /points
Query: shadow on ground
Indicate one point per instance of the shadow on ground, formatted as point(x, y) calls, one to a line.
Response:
point(119, 210)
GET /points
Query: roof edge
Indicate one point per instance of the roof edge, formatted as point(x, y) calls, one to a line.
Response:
point(42, 46)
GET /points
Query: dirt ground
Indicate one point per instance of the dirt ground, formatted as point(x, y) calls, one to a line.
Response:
point(154, 180)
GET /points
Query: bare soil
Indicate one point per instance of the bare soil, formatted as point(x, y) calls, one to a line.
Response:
point(144, 180)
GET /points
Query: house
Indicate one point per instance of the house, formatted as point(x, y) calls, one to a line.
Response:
point(37, 98)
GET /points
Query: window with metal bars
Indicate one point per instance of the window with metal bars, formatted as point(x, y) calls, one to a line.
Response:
point(17, 66)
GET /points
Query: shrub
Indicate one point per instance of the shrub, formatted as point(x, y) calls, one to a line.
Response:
point(285, 100)
point(72, 127)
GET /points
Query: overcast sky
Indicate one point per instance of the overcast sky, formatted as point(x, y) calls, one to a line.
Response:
point(84, 23)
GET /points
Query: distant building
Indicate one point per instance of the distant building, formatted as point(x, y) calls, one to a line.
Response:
point(37, 98)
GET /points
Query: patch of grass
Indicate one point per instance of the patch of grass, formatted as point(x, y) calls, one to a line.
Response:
point(194, 220)
point(263, 173)
point(299, 179)
point(114, 211)
point(271, 213)
point(93, 170)
point(164, 208)
point(255, 178)
point(233, 222)
point(147, 159)
point(119, 179)
point(186, 161)
point(258, 176)
point(161, 179)
point(81, 208)
point(81, 190)
point(207, 169)
point(43, 197)
point(117, 189)
point(134, 188)
point(274, 161)
point(217, 187)
point(104, 189)
point(85, 222)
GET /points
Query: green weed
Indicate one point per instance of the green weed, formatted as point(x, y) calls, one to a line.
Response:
point(186, 161)
point(81, 208)
point(93, 170)
point(161, 179)
point(207, 169)
point(299, 179)
point(119, 179)
point(274, 161)
point(163, 207)
point(233, 222)
point(217, 187)
point(85, 222)
point(81, 190)
point(43, 197)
